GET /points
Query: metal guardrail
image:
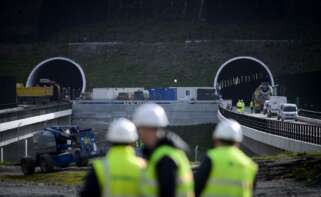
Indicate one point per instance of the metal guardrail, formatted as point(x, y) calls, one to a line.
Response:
point(302, 132)
point(33, 111)
point(310, 114)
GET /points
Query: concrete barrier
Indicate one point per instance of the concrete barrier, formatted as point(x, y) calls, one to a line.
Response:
point(275, 141)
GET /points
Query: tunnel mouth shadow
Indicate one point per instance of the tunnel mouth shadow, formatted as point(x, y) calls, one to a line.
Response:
point(66, 72)
point(238, 78)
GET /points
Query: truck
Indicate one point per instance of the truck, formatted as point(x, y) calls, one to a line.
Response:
point(59, 146)
point(262, 93)
point(275, 104)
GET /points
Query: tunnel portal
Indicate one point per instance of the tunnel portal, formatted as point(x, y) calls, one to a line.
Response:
point(240, 76)
point(67, 73)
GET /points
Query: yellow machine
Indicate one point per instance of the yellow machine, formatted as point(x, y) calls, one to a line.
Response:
point(46, 91)
point(34, 91)
point(34, 94)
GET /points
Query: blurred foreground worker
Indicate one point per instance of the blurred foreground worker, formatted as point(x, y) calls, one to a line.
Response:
point(168, 172)
point(119, 174)
point(226, 170)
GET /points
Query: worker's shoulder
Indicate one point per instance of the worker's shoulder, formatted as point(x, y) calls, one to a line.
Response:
point(140, 162)
point(249, 161)
point(98, 162)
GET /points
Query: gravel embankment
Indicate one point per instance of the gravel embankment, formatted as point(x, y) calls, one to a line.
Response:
point(274, 179)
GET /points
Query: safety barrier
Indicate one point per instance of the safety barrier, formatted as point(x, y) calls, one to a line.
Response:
point(298, 131)
point(310, 114)
point(33, 111)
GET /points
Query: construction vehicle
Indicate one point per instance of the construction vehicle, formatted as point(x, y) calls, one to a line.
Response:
point(46, 91)
point(33, 95)
point(262, 93)
point(59, 146)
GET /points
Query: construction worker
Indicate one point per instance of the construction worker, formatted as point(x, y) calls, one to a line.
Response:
point(168, 172)
point(119, 173)
point(239, 106)
point(242, 106)
point(226, 170)
point(252, 106)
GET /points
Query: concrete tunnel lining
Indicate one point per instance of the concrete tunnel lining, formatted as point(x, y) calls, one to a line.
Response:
point(38, 68)
point(238, 77)
point(238, 58)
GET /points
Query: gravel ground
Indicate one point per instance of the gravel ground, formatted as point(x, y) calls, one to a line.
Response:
point(275, 188)
point(285, 188)
point(11, 189)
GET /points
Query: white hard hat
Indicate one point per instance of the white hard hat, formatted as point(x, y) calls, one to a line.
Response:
point(150, 115)
point(122, 131)
point(228, 130)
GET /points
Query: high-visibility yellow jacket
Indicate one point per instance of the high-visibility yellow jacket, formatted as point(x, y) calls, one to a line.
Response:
point(184, 183)
point(119, 174)
point(239, 106)
point(232, 175)
point(242, 106)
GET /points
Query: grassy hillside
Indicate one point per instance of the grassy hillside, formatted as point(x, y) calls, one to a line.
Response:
point(155, 54)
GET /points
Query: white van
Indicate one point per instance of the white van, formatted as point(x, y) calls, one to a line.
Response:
point(288, 111)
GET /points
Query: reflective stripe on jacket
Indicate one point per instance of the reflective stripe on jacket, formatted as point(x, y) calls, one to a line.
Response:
point(184, 182)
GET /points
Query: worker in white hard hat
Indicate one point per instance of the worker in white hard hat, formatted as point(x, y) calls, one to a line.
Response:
point(226, 170)
point(168, 172)
point(119, 173)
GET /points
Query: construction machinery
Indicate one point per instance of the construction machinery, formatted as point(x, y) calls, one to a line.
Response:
point(46, 91)
point(59, 146)
point(260, 95)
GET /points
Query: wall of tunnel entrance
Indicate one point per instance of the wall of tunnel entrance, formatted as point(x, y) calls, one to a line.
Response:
point(238, 78)
point(66, 72)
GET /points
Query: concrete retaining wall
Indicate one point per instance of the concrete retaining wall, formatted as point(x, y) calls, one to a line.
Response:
point(100, 114)
point(270, 143)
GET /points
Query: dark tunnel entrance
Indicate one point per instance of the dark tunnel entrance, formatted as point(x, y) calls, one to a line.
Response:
point(67, 73)
point(240, 76)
